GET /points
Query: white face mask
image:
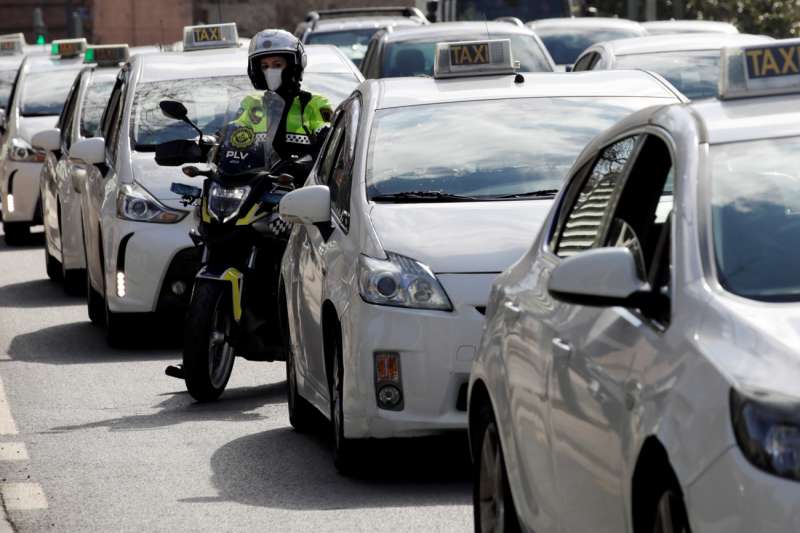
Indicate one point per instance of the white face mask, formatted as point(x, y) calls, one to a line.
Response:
point(274, 77)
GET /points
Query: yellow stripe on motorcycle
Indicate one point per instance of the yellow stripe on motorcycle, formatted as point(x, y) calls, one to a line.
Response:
point(251, 216)
point(235, 277)
point(206, 215)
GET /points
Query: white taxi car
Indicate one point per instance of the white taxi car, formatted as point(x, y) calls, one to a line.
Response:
point(663, 27)
point(426, 189)
point(639, 368)
point(63, 178)
point(11, 55)
point(36, 100)
point(140, 259)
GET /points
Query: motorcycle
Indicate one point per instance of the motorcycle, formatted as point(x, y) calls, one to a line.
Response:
point(233, 311)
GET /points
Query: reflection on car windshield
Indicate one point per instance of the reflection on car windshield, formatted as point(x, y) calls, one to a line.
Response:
point(494, 153)
point(44, 93)
point(695, 74)
point(93, 105)
point(352, 42)
point(333, 86)
point(416, 58)
point(6, 83)
point(566, 44)
point(755, 198)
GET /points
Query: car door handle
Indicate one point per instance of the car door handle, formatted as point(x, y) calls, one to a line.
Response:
point(562, 347)
point(513, 310)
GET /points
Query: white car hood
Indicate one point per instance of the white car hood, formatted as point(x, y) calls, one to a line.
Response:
point(30, 126)
point(158, 180)
point(463, 237)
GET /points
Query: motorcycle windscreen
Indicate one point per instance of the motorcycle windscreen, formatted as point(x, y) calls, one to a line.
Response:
point(248, 135)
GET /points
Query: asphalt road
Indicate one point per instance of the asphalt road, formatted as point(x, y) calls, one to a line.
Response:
point(96, 439)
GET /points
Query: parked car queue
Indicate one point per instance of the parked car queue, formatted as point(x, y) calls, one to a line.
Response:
point(628, 366)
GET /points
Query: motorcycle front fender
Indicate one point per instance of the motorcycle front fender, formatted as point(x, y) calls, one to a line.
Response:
point(229, 275)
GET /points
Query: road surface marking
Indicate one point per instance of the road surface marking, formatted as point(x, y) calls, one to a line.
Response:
point(23, 496)
point(13, 451)
point(7, 425)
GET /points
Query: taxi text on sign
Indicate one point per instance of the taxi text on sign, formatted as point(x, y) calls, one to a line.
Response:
point(469, 54)
point(206, 34)
point(769, 61)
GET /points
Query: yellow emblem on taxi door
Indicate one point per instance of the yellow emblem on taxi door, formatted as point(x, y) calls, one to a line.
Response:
point(768, 61)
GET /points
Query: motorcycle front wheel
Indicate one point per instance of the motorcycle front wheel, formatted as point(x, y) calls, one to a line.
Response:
point(208, 351)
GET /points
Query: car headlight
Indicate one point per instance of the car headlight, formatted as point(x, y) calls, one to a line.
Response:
point(20, 150)
point(768, 433)
point(136, 204)
point(224, 202)
point(402, 282)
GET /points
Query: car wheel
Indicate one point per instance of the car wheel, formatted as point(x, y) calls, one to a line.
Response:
point(52, 265)
point(94, 301)
point(345, 451)
point(493, 505)
point(73, 279)
point(302, 415)
point(670, 515)
point(16, 233)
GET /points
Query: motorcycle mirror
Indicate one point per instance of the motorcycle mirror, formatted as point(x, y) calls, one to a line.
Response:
point(174, 110)
point(193, 171)
point(178, 152)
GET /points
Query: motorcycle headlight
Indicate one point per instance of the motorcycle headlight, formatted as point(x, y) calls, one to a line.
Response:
point(401, 282)
point(224, 202)
point(136, 204)
point(768, 433)
point(20, 150)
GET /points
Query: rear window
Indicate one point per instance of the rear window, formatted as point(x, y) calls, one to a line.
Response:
point(352, 42)
point(44, 93)
point(695, 74)
point(416, 58)
point(566, 44)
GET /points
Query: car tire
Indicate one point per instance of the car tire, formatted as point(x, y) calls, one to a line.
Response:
point(16, 233)
point(94, 302)
point(670, 514)
point(346, 452)
point(73, 279)
point(207, 373)
point(492, 502)
point(301, 413)
point(52, 266)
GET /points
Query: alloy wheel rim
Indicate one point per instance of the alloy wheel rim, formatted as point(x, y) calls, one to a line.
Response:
point(492, 500)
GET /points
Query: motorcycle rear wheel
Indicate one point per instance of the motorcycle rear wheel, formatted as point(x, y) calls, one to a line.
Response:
point(208, 352)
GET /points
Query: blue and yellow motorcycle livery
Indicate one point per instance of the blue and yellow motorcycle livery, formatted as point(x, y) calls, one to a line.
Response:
point(234, 304)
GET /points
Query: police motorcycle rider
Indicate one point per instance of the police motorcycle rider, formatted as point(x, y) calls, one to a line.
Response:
point(276, 62)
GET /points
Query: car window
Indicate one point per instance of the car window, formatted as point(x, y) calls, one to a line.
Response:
point(341, 179)
point(6, 84)
point(352, 42)
point(112, 117)
point(66, 120)
point(594, 200)
point(44, 93)
point(695, 74)
point(328, 157)
point(94, 102)
point(585, 62)
point(334, 86)
point(492, 155)
point(416, 58)
point(755, 214)
point(566, 44)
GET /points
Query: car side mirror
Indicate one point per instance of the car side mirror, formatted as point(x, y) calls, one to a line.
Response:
point(308, 205)
point(174, 110)
point(178, 152)
point(603, 277)
point(91, 151)
point(49, 139)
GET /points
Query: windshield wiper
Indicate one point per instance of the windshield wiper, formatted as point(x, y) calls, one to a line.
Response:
point(422, 196)
point(544, 193)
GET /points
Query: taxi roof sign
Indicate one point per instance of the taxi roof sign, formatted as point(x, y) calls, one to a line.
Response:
point(760, 70)
point(66, 48)
point(473, 58)
point(107, 55)
point(12, 44)
point(208, 36)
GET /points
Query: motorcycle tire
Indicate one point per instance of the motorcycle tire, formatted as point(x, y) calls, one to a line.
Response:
point(208, 352)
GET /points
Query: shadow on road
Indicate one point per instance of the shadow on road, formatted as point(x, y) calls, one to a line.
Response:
point(35, 293)
point(34, 240)
point(81, 343)
point(281, 468)
point(238, 405)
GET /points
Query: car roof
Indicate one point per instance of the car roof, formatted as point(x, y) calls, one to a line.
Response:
point(48, 63)
point(586, 22)
point(187, 65)
point(11, 62)
point(680, 42)
point(468, 30)
point(749, 118)
point(700, 26)
point(404, 92)
point(343, 24)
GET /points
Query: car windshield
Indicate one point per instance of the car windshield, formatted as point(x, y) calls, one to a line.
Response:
point(566, 44)
point(93, 105)
point(6, 83)
point(432, 150)
point(334, 86)
point(755, 206)
point(352, 42)
point(44, 93)
point(205, 98)
point(415, 58)
point(695, 74)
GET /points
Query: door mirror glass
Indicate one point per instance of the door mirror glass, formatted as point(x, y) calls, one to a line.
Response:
point(173, 109)
point(49, 139)
point(602, 277)
point(91, 151)
point(178, 152)
point(309, 205)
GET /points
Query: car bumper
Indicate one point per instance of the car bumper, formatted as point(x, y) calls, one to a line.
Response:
point(436, 351)
point(20, 181)
point(151, 257)
point(734, 496)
